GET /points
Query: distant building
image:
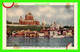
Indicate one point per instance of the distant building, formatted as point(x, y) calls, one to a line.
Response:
point(55, 25)
point(43, 24)
point(29, 20)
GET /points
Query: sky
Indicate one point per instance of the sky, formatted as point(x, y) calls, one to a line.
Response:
point(62, 14)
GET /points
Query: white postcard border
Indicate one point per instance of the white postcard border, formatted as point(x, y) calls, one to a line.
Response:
point(31, 48)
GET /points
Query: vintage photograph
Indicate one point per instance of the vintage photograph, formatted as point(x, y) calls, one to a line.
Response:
point(40, 26)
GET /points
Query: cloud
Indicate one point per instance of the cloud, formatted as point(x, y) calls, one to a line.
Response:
point(13, 13)
point(50, 12)
point(72, 8)
point(65, 15)
point(10, 13)
point(49, 15)
point(47, 8)
point(47, 11)
point(37, 13)
point(19, 12)
point(62, 10)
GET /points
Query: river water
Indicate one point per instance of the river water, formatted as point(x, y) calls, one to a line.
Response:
point(39, 41)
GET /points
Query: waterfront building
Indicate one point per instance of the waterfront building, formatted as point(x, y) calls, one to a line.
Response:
point(55, 33)
point(64, 33)
point(41, 34)
point(51, 33)
point(46, 33)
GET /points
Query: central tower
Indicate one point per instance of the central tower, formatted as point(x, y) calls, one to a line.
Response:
point(29, 16)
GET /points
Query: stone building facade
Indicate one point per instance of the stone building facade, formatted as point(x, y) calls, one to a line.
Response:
point(29, 20)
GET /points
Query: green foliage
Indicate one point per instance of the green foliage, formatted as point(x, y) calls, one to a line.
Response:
point(60, 27)
point(32, 28)
point(8, 22)
point(68, 27)
point(16, 23)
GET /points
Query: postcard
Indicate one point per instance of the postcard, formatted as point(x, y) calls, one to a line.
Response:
point(41, 26)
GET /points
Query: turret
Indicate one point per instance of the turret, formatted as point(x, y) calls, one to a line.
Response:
point(29, 16)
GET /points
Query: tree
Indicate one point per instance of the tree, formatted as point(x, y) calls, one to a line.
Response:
point(8, 22)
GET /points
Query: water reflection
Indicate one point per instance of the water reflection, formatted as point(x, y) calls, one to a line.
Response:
point(39, 41)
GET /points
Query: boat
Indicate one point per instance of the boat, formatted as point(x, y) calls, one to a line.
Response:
point(61, 36)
